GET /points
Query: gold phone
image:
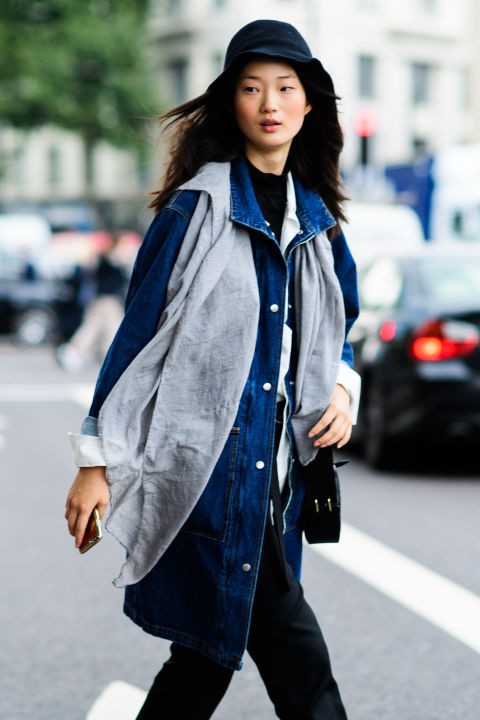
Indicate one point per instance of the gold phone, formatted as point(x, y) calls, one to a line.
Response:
point(93, 532)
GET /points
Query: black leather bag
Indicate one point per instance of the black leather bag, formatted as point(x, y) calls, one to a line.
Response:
point(321, 505)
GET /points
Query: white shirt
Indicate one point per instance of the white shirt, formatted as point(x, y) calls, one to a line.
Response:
point(348, 378)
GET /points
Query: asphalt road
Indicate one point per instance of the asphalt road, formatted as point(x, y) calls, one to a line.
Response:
point(64, 638)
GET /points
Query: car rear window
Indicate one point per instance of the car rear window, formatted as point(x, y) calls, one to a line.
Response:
point(451, 279)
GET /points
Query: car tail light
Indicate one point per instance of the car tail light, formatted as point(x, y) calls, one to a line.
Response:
point(443, 340)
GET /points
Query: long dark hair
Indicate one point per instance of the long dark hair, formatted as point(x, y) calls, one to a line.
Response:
point(204, 130)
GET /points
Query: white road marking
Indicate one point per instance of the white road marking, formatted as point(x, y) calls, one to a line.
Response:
point(119, 701)
point(80, 393)
point(440, 601)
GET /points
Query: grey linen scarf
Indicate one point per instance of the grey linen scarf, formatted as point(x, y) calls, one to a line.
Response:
point(165, 422)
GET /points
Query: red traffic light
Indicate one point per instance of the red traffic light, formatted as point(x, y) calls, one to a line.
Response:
point(365, 122)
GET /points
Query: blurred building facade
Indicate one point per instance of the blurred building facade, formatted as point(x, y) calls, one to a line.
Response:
point(475, 73)
point(415, 64)
point(45, 170)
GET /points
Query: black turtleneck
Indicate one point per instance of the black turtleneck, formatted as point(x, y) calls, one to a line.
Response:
point(271, 193)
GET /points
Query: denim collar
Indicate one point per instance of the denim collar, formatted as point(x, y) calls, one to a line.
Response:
point(311, 211)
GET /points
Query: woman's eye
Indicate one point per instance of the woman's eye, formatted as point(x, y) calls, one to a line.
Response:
point(285, 88)
point(251, 89)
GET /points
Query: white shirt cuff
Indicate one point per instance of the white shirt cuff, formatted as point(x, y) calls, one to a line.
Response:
point(351, 381)
point(87, 450)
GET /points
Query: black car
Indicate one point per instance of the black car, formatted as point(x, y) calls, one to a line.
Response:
point(417, 346)
point(31, 309)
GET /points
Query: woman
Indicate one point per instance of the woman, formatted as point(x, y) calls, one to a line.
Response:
point(230, 370)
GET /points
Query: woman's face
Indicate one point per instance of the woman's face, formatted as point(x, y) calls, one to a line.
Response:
point(270, 105)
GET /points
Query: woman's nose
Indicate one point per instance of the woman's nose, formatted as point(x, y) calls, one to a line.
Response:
point(268, 102)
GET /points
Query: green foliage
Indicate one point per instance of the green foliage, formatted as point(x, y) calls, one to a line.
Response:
point(77, 64)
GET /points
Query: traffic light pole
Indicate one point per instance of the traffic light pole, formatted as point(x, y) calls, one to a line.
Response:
point(364, 157)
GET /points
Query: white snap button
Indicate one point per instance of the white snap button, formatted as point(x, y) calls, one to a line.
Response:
point(274, 307)
point(267, 386)
point(267, 223)
point(259, 464)
point(246, 567)
point(289, 306)
point(300, 232)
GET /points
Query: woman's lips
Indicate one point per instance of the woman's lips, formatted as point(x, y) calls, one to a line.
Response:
point(269, 125)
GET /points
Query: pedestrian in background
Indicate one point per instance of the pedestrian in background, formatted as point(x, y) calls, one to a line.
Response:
point(230, 372)
point(102, 316)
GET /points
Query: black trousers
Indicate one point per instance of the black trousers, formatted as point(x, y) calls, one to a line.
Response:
point(286, 644)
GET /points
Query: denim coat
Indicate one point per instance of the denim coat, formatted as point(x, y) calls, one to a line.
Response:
point(200, 592)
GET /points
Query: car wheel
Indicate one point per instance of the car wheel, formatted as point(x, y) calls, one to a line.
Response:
point(378, 448)
point(33, 327)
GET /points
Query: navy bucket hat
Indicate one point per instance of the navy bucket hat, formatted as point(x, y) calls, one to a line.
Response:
point(275, 39)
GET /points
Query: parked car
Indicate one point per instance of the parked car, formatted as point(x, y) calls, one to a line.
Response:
point(30, 308)
point(417, 346)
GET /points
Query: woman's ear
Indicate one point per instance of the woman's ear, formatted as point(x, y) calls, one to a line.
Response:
point(308, 107)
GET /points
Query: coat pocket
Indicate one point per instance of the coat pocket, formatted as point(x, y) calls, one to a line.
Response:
point(209, 517)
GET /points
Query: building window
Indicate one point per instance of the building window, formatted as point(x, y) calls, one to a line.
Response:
point(17, 166)
point(366, 76)
point(178, 78)
point(464, 87)
point(367, 5)
point(421, 83)
point(428, 6)
point(54, 166)
point(18, 157)
point(174, 7)
point(217, 64)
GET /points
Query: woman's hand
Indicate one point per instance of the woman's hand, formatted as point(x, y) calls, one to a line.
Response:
point(337, 419)
point(89, 490)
